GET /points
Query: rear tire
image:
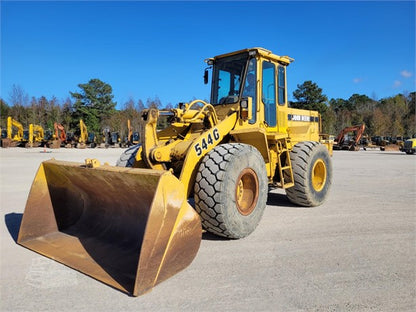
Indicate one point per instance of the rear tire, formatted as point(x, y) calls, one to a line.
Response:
point(128, 157)
point(230, 191)
point(312, 173)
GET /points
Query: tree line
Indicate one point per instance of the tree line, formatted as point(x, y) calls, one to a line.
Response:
point(93, 102)
point(392, 116)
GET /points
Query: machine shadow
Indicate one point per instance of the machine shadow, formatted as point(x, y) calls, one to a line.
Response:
point(277, 200)
point(212, 237)
point(13, 221)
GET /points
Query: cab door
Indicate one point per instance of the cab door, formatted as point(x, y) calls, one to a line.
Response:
point(269, 94)
point(274, 96)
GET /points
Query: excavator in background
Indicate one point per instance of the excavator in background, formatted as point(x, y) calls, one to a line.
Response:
point(83, 137)
point(92, 140)
point(48, 137)
point(36, 136)
point(13, 139)
point(3, 133)
point(71, 140)
point(111, 139)
point(131, 226)
point(345, 142)
point(129, 134)
point(409, 146)
point(132, 137)
point(59, 137)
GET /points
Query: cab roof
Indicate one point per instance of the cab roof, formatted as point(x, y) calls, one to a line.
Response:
point(259, 51)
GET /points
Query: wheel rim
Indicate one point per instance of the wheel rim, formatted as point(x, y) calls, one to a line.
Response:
point(247, 191)
point(319, 175)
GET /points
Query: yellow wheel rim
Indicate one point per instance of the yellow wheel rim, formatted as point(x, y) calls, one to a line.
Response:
point(318, 175)
point(247, 191)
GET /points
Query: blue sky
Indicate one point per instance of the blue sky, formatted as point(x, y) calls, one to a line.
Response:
point(149, 49)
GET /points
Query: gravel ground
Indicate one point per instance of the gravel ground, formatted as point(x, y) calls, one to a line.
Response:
point(356, 252)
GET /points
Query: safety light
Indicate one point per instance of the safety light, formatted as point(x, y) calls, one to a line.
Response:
point(244, 104)
point(245, 108)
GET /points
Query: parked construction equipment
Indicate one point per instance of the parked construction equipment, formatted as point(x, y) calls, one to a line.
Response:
point(71, 140)
point(350, 143)
point(59, 137)
point(380, 140)
point(13, 138)
point(36, 136)
point(83, 137)
point(111, 139)
point(32, 137)
point(133, 227)
point(409, 146)
point(3, 134)
point(133, 136)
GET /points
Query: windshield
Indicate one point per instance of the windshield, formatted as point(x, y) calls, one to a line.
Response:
point(227, 77)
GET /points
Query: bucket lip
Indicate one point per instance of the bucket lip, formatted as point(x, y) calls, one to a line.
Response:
point(107, 167)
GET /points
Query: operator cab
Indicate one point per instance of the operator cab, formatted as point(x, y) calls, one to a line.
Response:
point(255, 78)
point(26, 135)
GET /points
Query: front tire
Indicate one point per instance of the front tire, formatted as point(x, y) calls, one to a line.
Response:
point(312, 173)
point(231, 190)
point(128, 157)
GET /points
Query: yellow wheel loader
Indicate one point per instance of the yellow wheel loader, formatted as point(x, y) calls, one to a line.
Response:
point(131, 225)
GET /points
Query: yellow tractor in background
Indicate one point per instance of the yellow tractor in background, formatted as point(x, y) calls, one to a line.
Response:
point(131, 225)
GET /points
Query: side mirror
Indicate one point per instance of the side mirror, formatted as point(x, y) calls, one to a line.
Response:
point(206, 76)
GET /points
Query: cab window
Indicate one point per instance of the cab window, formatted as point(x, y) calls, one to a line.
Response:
point(250, 87)
point(282, 87)
point(269, 92)
point(227, 76)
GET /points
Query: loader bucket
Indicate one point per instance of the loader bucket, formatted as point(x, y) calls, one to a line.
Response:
point(129, 228)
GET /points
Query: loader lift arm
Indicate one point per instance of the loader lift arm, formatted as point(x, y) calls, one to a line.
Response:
point(200, 131)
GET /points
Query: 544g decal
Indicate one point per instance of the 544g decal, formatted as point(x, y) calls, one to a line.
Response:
point(212, 137)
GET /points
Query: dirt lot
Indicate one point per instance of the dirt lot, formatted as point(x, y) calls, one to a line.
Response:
point(354, 253)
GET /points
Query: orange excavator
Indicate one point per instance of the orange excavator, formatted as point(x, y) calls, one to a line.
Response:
point(59, 136)
point(344, 142)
